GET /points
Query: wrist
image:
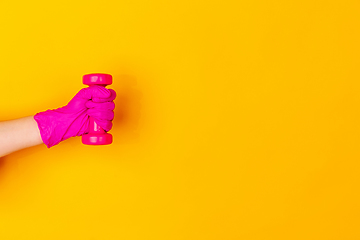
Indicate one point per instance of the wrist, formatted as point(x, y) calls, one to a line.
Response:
point(48, 123)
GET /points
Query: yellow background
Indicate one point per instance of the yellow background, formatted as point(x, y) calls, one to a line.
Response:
point(234, 119)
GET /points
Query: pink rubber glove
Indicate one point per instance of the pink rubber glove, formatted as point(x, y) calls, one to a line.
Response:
point(73, 119)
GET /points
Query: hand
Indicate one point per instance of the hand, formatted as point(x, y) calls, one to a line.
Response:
point(73, 119)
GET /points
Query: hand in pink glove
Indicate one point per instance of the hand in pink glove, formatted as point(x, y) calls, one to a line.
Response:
point(73, 119)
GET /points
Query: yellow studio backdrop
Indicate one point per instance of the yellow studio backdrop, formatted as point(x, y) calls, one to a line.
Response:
point(234, 119)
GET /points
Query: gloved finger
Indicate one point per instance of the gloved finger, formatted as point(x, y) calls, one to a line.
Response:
point(95, 91)
point(104, 124)
point(102, 114)
point(110, 98)
point(103, 105)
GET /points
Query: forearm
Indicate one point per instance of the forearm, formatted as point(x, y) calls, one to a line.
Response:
point(18, 134)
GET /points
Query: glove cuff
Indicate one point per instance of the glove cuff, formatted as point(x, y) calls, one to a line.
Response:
point(47, 123)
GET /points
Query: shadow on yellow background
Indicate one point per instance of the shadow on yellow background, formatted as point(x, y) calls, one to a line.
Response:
point(234, 120)
point(128, 106)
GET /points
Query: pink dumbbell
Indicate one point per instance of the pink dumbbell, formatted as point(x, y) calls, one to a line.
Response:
point(97, 135)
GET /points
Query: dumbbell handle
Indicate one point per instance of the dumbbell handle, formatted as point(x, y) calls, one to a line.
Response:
point(95, 128)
